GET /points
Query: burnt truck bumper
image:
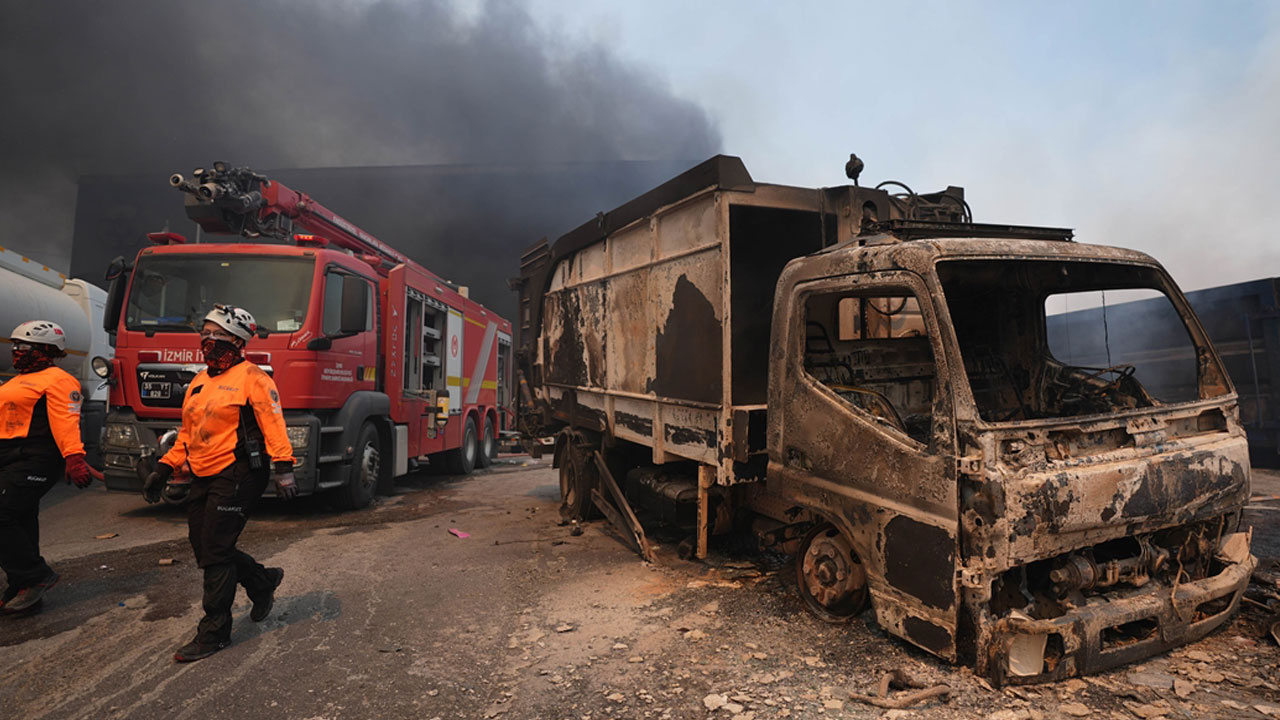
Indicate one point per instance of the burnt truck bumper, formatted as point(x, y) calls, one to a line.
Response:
point(1078, 642)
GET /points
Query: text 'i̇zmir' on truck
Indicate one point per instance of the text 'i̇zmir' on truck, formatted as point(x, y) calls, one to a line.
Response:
point(885, 388)
point(379, 362)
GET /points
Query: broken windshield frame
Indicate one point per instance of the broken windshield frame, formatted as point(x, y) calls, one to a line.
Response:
point(1116, 357)
point(172, 293)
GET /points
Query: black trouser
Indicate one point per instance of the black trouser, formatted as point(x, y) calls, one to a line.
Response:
point(217, 508)
point(24, 478)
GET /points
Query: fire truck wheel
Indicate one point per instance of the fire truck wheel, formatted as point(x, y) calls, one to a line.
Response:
point(488, 445)
point(829, 575)
point(462, 460)
point(366, 467)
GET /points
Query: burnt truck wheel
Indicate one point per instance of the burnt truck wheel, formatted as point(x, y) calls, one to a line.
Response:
point(462, 460)
point(829, 575)
point(578, 475)
point(488, 445)
point(366, 470)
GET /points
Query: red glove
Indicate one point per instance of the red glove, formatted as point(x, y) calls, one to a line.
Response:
point(80, 472)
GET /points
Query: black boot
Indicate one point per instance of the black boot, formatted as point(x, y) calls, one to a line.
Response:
point(196, 650)
point(262, 602)
point(214, 631)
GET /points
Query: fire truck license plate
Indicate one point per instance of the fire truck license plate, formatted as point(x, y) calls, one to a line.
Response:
point(158, 390)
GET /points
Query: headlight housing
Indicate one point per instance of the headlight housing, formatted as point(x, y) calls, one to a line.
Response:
point(299, 435)
point(101, 367)
point(122, 434)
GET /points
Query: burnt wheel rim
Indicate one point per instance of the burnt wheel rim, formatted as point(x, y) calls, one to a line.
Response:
point(829, 576)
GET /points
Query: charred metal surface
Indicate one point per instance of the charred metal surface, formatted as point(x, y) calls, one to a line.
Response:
point(919, 560)
point(635, 423)
point(567, 354)
point(927, 635)
point(1038, 510)
point(619, 512)
point(677, 435)
point(689, 348)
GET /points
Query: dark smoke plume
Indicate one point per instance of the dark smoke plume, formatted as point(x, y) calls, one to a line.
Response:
point(153, 86)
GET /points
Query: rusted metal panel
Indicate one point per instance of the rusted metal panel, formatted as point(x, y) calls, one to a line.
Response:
point(631, 360)
point(1036, 548)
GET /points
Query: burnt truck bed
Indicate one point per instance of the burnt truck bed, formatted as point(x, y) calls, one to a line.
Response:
point(656, 331)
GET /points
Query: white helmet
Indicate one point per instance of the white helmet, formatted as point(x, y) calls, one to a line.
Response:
point(234, 320)
point(40, 331)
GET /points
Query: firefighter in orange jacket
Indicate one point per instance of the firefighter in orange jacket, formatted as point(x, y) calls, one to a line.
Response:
point(231, 426)
point(39, 437)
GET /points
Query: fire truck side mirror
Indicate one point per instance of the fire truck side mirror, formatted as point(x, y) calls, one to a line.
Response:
point(355, 306)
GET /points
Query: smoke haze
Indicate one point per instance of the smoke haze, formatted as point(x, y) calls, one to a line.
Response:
point(153, 86)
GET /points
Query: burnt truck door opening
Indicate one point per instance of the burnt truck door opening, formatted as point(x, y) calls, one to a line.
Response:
point(862, 425)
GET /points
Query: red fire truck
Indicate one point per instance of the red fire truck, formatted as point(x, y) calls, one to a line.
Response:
point(379, 362)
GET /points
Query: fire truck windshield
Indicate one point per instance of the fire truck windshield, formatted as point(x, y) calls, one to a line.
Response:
point(172, 293)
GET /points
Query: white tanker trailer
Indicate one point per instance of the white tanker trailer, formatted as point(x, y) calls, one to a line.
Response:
point(30, 290)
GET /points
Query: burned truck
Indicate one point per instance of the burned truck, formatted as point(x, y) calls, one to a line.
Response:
point(868, 379)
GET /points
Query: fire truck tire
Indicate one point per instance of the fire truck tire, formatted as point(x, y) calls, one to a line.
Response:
point(366, 469)
point(488, 445)
point(462, 460)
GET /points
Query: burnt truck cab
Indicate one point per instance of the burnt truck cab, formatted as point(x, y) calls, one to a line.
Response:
point(1016, 483)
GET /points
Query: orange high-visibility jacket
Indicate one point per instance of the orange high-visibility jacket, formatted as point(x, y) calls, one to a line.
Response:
point(211, 415)
point(20, 398)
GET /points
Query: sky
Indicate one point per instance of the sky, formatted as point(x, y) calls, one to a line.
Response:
point(1149, 125)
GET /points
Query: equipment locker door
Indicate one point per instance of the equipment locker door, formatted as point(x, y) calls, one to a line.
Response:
point(453, 361)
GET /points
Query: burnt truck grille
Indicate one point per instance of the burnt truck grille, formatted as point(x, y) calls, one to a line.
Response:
point(1047, 588)
point(163, 386)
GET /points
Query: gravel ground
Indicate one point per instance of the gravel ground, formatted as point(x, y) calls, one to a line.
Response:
point(386, 614)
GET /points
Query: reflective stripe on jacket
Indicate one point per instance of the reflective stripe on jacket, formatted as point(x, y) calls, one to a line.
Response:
point(211, 416)
point(20, 399)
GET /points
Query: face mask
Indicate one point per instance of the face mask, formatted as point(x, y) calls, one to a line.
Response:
point(219, 355)
point(33, 359)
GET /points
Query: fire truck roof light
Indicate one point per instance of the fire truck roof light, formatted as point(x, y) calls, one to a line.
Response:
point(314, 240)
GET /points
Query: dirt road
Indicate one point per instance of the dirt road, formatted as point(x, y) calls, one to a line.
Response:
point(386, 614)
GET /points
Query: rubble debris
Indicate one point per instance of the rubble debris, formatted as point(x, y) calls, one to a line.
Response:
point(458, 533)
point(166, 561)
point(106, 536)
point(896, 678)
point(1075, 709)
